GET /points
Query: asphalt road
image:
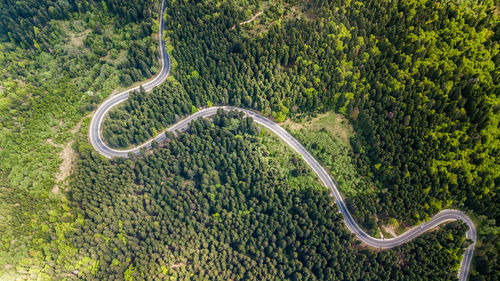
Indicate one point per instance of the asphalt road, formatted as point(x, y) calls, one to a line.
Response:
point(102, 148)
point(100, 113)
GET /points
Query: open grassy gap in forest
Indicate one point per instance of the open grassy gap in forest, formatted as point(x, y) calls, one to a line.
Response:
point(327, 137)
point(336, 125)
point(262, 15)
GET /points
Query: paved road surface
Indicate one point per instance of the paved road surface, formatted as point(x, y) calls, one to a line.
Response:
point(441, 217)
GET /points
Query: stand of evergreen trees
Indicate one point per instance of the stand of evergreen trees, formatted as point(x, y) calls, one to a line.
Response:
point(417, 106)
point(23, 22)
point(144, 115)
point(205, 205)
point(419, 81)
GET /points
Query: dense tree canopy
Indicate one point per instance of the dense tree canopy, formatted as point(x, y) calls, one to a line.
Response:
point(24, 21)
point(46, 89)
point(144, 115)
point(206, 206)
point(377, 61)
point(419, 81)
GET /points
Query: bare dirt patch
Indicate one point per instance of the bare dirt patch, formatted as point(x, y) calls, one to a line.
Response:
point(354, 114)
point(177, 265)
point(51, 142)
point(311, 13)
point(188, 182)
point(252, 19)
point(68, 156)
point(401, 261)
point(390, 229)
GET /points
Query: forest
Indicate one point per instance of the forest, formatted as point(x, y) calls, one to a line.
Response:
point(385, 85)
point(418, 81)
point(359, 66)
point(205, 205)
point(144, 115)
point(427, 128)
point(46, 89)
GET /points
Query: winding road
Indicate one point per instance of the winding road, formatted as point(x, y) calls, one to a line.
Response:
point(442, 217)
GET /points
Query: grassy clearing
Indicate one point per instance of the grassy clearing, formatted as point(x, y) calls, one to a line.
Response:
point(333, 123)
point(327, 138)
